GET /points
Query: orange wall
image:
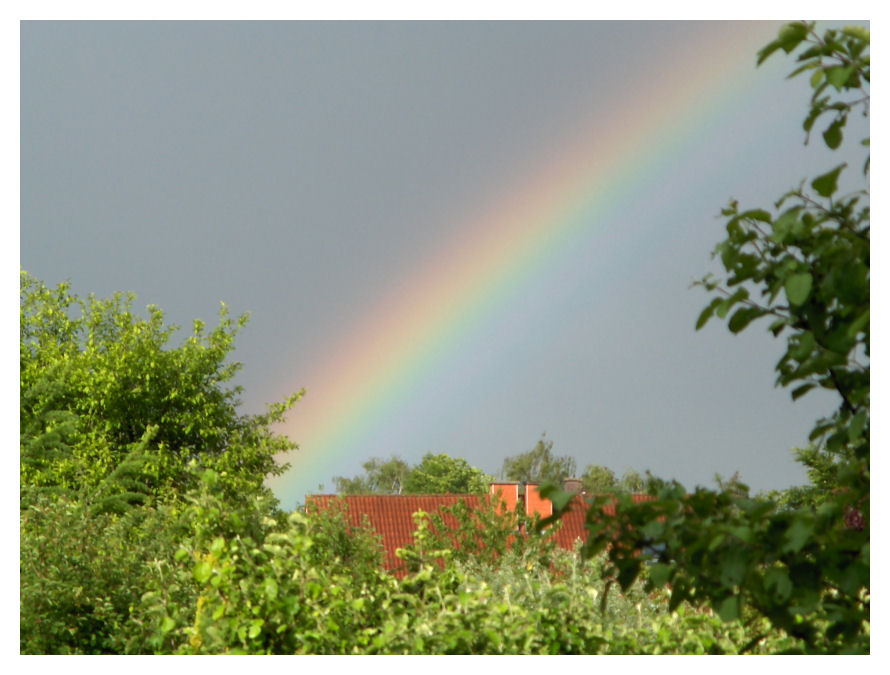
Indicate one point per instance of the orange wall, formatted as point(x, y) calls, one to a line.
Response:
point(535, 503)
point(509, 493)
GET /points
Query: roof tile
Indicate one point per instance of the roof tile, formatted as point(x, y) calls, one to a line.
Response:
point(391, 517)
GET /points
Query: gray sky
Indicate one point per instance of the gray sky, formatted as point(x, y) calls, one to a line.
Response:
point(310, 172)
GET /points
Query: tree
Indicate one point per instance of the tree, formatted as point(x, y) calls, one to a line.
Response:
point(381, 477)
point(802, 566)
point(598, 479)
point(539, 465)
point(97, 382)
point(440, 474)
point(436, 474)
point(117, 429)
point(632, 481)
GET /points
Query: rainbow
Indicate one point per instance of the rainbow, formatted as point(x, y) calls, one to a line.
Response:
point(519, 236)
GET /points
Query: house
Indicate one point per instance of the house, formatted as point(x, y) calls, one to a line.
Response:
point(392, 516)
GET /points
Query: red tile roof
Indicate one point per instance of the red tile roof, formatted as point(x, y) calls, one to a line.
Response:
point(573, 520)
point(391, 517)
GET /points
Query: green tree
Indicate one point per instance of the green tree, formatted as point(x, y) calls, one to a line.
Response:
point(440, 474)
point(95, 379)
point(632, 481)
point(598, 479)
point(380, 477)
point(116, 429)
point(436, 474)
point(539, 465)
point(804, 569)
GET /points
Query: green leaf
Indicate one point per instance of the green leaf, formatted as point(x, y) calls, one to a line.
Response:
point(857, 425)
point(809, 65)
point(270, 588)
point(784, 224)
point(742, 532)
point(816, 78)
point(858, 324)
point(653, 529)
point(202, 571)
point(777, 326)
point(628, 574)
point(800, 391)
point(837, 76)
point(724, 306)
point(797, 534)
point(255, 627)
point(559, 498)
point(798, 287)
point(660, 574)
point(733, 569)
point(858, 32)
point(826, 184)
point(743, 317)
point(764, 53)
point(806, 343)
point(757, 214)
point(730, 608)
point(778, 583)
point(833, 135)
point(791, 35)
point(707, 313)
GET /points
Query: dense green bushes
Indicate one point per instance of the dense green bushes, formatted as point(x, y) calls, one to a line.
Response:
point(203, 578)
point(204, 575)
point(266, 593)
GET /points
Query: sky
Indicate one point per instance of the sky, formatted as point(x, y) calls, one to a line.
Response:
point(456, 237)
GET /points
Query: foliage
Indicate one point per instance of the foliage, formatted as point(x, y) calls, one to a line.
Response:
point(253, 585)
point(483, 535)
point(598, 479)
point(265, 593)
point(96, 378)
point(115, 428)
point(381, 477)
point(441, 474)
point(81, 574)
point(632, 481)
point(336, 542)
point(208, 576)
point(802, 567)
point(435, 474)
point(205, 576)
point(811, 260)
point(539, 465)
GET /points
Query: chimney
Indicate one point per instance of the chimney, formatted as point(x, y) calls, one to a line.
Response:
point(535, 503)
point(509, 493)
point(573, 485)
